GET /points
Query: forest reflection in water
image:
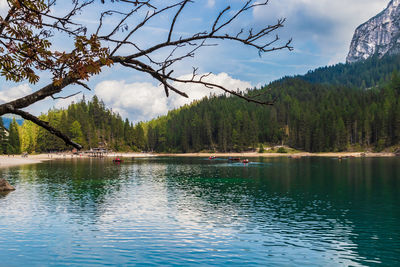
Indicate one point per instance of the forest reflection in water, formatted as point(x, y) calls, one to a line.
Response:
point(177, 211)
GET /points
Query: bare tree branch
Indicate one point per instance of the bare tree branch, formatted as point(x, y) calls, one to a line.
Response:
point(44, 124)
point(174, 19)
point(83, 85)
point(65, 97)
point(41, 94)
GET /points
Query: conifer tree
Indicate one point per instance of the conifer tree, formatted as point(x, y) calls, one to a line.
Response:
point(13, 139)
point(3, 137)
point(76, 132)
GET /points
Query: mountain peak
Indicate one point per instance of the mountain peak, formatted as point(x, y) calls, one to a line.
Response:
point(378, 36)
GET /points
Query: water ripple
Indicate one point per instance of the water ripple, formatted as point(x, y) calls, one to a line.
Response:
point(192, 211)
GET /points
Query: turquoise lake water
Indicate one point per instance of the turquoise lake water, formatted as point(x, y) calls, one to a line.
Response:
point(194, 211)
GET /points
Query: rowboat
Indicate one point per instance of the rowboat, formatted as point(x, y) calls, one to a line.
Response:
point(117, 160)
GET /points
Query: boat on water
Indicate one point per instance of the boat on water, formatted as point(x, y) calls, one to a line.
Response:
point(233, 159)
point(212, 157)
point(245, 161)
point(117, 160)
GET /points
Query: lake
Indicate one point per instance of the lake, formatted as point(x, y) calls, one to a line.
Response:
point(195, 211)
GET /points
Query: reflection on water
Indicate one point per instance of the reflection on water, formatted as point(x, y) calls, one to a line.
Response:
point(4, 193)
point(173, 211)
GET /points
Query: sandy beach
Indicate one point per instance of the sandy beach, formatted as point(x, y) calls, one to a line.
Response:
point(15, 160)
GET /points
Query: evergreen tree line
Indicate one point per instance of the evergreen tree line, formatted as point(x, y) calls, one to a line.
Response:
point(363, 74)
point(87, 123)
point(307, 116)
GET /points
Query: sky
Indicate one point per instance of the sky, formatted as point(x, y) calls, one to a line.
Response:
point(321, 31)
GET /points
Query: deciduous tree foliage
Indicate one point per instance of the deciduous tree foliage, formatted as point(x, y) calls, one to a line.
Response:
point(89, 123)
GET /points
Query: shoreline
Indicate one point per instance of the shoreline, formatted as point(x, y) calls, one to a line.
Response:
point(287, 155)
point(18, 160)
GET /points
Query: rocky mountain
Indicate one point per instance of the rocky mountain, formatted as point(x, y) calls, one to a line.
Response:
point(378, 36)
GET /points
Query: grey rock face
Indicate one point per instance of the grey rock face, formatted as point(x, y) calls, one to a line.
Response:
point(380, 35)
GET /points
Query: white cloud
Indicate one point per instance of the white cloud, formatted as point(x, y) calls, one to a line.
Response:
point(197, 91)
point(337, 10)
point(144, 101)
point(13, 93)
point(3, 4)
point(328, 24)
point(3, 8)
point(210, 3)
point(140, 100)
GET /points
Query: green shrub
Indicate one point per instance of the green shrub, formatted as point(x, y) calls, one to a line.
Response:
point(380, 145)
point(261, 149)
point(281, 150)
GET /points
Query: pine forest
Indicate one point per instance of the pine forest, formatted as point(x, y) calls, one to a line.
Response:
point(346, 107)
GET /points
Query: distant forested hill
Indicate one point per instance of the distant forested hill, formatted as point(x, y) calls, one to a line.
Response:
point(363, 74)
point(325, 110)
